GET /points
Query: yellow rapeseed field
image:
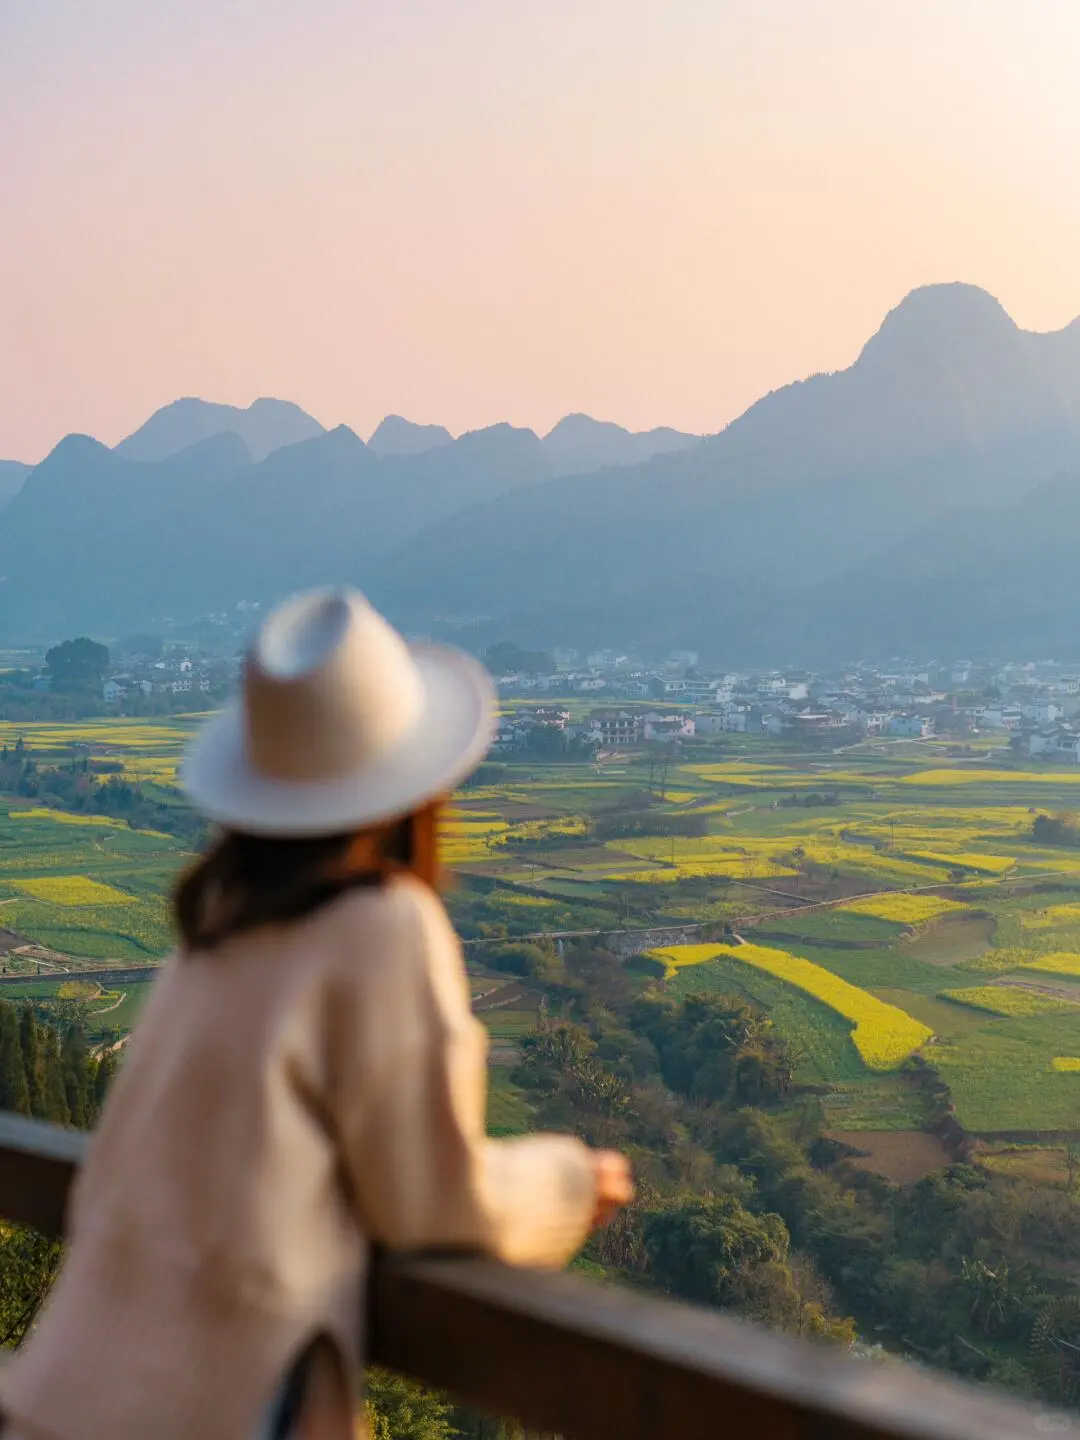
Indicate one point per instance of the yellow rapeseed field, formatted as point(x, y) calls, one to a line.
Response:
point(66, 817)
point(1051, 917)
point(1006, 1000)
point(989, 864)
point(972, 776)
point(1058, 962)
point(903, 909)
point(1068, 1064)
point(72, 890)
point(883, 1035)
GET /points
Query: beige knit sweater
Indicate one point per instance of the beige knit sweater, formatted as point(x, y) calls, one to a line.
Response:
point(296, 1093)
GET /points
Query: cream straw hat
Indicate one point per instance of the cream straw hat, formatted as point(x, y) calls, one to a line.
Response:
point(338, 724)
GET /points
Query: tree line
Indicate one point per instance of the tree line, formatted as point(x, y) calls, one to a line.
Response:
point(46, 1071)
point(746, 1203)
point(81, 784)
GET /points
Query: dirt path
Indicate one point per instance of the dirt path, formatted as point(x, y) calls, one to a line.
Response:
point(109, 1008)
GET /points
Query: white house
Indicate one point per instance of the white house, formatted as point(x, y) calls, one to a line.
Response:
point(668, 727)
point(615, 727)
point(1041, 711)
point(636, 689)
point(709, 722)
point(914, 727)
point(113, 691)
point(1002, 717)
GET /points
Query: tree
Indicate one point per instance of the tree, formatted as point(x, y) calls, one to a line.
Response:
point(77, 664)
point(14, 1092)
point(703, 1250)
point(396, 1409)
point(103, 1077)
point(31, 1057)
point(74, 1065)
point(54, 1092)
point(28, 1265)
point(506, 658)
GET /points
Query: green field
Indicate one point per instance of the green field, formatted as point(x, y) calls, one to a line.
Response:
point(916, 876)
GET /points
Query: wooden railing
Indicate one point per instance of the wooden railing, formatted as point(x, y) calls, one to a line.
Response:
point(593, 1361)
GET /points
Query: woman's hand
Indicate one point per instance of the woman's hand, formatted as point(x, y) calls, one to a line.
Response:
point(614, 1184)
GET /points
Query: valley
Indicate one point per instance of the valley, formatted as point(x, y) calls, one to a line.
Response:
point(911, 941)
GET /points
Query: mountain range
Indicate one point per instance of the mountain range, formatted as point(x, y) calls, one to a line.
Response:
point(927, 499)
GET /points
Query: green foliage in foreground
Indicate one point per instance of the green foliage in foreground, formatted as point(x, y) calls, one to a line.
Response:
point(754, 1207)
point(47, 1072)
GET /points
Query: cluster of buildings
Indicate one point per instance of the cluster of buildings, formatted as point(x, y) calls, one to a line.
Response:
point(1036, 703)
point(180, 670)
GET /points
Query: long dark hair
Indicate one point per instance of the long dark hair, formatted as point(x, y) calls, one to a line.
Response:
point(244, 881)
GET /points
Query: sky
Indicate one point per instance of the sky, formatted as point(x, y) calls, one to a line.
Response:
point(651, 210)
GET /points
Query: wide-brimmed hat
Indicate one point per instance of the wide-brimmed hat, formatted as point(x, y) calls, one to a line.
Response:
point(338, 724)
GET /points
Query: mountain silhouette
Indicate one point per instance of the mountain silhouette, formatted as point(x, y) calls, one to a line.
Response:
point(579, 444)
point(264, 426)
point(12, 475)
point(949, 405)
point(97, 540)
point(396, 436)
point(927, 496)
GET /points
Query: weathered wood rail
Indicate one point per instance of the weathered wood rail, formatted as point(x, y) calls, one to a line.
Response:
point(593, 1361)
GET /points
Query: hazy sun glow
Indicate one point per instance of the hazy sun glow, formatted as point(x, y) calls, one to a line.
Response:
point(652, 210)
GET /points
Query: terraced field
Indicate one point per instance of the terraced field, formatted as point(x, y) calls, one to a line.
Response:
point(891, 900)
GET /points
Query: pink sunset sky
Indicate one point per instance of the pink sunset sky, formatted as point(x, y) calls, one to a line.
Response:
point(651, 210)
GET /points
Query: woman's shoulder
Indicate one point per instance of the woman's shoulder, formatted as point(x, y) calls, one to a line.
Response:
point(400, 910)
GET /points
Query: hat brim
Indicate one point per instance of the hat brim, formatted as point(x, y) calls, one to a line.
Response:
point(450, 738)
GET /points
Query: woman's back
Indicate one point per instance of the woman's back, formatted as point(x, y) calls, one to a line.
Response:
point(307, 1077)
point(214, 1209)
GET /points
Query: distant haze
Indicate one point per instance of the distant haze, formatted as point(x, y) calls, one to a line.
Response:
point(653, 211)
point(926, 499)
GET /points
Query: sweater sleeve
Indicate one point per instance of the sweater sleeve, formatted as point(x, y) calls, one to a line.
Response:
point(411, 1089)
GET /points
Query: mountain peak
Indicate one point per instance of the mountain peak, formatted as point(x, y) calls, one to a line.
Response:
point(394, 435)
point(579, 444)
point(944, 318)
point(265, 425)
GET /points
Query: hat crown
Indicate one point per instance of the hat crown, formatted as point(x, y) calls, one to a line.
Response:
point(329, 687)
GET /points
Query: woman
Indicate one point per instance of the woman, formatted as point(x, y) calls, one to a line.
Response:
point(307, 1078)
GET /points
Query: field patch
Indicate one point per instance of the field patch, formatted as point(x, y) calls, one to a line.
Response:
point(902, 1156)
point(1006, 1000)
point(1058, 962)
point(1066, 1064)
point(1001, 1076)
point(883, 1035)
point(1054, 917)
point(67, 817)
point(953, 940)
point(967, 860)
point(835, 925)
point(949, 779)
point(903, 909)
point(72, 890)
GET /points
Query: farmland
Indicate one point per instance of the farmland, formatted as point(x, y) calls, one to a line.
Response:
point(910, 915)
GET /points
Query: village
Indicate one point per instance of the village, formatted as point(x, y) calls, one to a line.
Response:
point(1035, 705)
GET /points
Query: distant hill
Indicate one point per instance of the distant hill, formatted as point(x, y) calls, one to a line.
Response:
point(99, 541)
point(264, 426)
point(12, 475)
point(579, 444)
point(926, 498)
point(397, 436)
point(949, 405)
